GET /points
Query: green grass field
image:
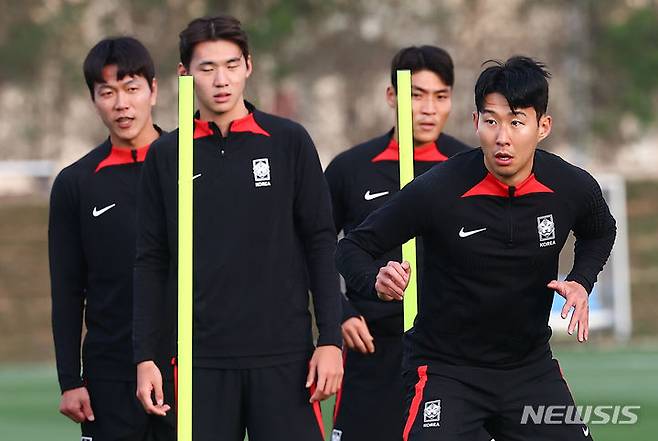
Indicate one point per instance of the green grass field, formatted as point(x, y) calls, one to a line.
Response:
point(28, 409)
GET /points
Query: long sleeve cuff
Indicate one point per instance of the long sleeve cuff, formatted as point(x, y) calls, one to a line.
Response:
point(349, 310)
point(68, 382)
point(573, 277)
point(331, 336)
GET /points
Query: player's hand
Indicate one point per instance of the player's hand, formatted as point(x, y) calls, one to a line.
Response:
point(149, 384)
point(357, 335)
point(325, 372)
point(392, 280)
point(75, 404)
point(576, 297)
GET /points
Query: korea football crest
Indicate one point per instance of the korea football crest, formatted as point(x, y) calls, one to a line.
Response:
point(261, 172)
point(432, 413)
point(546, 230)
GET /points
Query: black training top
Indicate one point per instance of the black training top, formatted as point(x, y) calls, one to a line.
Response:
point(361, 180)
point(91, 238)
point(263, 237)
point(489, 251)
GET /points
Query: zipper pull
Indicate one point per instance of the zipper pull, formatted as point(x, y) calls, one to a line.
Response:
point(133, 153)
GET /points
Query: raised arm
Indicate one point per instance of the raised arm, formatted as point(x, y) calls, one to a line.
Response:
point(595, 231)
point(400, 219)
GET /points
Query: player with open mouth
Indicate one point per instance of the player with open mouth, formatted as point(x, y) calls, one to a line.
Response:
point(493, 222)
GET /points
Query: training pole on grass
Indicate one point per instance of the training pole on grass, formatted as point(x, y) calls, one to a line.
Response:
point(185, 223)
point(406, 147)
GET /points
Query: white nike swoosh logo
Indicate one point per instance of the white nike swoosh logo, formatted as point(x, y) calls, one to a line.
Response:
point(585, 431)
point(463, 233)
point(370, 197)
point(196, 176)
point(97, 213)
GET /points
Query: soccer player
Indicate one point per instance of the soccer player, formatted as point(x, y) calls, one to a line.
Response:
point(263, 237)
point(493, 221)
point(92, 251)
point(361, 180)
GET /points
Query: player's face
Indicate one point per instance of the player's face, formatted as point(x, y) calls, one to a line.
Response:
point(509, 138)
point(125, 107)
point(431, 102)
point(220, 74)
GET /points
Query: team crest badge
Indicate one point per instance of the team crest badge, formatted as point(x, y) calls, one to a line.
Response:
point(546, 230)
point(432, 413)
point(261, 172)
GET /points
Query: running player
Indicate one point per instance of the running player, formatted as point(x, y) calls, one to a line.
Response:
point(493, 222)
point(263, 236)
point(92, 251)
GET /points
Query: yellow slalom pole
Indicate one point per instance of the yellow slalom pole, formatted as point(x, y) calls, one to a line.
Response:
point(406, 143)
point(185, 236)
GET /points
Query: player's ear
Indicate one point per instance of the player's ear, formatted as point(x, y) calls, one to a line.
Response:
point(476, 120)
point(154, 92)
point(250, 65)
point(182, 70)
point(545, 125)
point(391, 97)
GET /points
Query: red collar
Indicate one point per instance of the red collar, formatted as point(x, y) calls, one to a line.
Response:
point(245, 124)
point(425, 153)
point(490, 186)
point(123, 155)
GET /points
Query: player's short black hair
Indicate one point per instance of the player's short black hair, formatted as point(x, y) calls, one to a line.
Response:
point(220, 27)
point(417, 58)
point(129, 55)
point(521, 80)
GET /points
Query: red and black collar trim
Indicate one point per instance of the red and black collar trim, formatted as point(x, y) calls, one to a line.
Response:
point(425, 153)
point(245, 124)
point(248, 124)
point(490, 186)
point(202, 129)
point(123, 155)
